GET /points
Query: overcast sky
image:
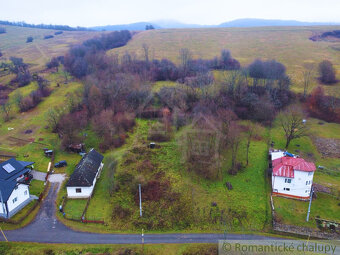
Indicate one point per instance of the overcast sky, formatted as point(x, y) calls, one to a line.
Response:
point(106, 12)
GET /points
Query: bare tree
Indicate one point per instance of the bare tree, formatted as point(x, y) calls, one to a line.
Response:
point(146, 52)
point(234, 140)
point(307, 77)
point(292, 124)
point(6, 110)
point(185, 57)
point(252, 131)
point(53, 116)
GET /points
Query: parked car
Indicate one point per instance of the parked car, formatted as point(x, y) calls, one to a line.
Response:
point(61, 163)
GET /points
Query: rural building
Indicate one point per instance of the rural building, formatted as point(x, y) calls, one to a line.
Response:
point(14, 186)
point(85, 175)
point(291, 176)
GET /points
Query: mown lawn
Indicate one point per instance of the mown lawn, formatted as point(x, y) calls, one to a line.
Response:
point(36, 187)
point(294, 212)
point(74, 208)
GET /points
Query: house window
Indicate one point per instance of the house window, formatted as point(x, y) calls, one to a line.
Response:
point(78, 190)
point(287, 189)
point(288, 180)
point(307, 182)
point(25, 193)
point(310, 173)
point(15, 199)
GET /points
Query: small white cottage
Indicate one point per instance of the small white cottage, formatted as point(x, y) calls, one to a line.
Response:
point(84, 177)
point(14, 186)
point(291, 176)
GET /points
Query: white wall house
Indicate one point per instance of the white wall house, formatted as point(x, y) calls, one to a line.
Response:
point(83, 180)
point(14, 187)
point(291, 176)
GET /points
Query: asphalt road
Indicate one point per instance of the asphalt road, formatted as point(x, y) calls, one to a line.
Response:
point(47, 229)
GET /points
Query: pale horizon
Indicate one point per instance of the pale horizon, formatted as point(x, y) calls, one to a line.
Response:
point(88, 13)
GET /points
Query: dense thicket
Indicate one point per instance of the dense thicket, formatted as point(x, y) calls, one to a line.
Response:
point(84, 59)
point(29, 39)
point(43, 26)
point(327, 72)
point(117, 90)
point(23, 75)
point(35, 97)
point(323, 107)
point(2, 30)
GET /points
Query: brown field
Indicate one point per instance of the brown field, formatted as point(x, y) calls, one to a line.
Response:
point(37, 53)
point(289, 45)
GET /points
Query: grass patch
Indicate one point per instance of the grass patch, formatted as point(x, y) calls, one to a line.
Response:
point(294, 212)
point(74, 208)
point(36, 187)
point(153, 249)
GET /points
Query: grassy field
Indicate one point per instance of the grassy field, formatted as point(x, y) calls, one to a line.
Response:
point(30, 148)
point(289, 45)
point(37, 53)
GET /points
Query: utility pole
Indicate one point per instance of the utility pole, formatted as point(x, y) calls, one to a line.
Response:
point(140, 201)
point(142, 241)
point(310, 203)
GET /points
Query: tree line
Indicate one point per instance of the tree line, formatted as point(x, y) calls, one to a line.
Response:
point(43, 26)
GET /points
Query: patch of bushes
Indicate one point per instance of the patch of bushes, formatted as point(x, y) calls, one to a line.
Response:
point(58, 33)
point(48, 37)
point(29, 39)
point(35, 97)
point(2, 30)
point(327, 72)
point(23, 75)
point(323, 107)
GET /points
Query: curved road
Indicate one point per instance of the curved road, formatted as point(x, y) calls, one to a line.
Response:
point(47, 229)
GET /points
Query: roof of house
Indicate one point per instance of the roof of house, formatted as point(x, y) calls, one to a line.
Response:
point(86, 170)
point(285, 166)
point(10, 170)
point(6, 188)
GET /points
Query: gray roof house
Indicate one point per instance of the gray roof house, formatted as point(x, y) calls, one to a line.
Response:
point(83, 179)
point(14, 189)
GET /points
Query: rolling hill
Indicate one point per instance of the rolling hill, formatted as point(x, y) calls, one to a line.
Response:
point(289, 45)
point(37, 53)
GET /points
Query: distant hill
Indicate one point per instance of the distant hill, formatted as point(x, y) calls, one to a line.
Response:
point(132, 26)
point(271, 22)
point(159, 24)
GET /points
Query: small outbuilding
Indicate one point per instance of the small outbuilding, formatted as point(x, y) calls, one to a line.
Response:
point(85, 175)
